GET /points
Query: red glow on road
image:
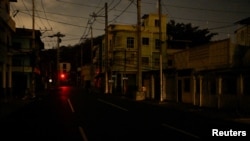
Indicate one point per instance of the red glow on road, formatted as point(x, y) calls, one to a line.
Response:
point(64, 92)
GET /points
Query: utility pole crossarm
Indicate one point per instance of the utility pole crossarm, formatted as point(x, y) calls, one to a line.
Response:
point(94, 15)
point(57, 35)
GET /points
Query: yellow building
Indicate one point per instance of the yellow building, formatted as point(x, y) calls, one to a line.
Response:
point(123, 51)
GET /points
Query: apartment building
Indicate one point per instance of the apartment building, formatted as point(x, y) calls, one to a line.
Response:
point(123, 52)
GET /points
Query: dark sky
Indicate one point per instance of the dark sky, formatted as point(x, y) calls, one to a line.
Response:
point(70, 17)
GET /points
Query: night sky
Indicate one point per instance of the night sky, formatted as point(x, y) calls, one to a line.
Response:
point(72, 17)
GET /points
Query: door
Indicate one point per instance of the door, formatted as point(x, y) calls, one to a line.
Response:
point(179, 94)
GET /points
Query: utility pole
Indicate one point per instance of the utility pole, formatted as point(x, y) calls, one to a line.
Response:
point(58, 35)
point(106, 50)
point(106, 47)
point(160, 40)
point(139, 63)
point(33, 51)
point(91, 58)
point(81, 62)
point(106, 91)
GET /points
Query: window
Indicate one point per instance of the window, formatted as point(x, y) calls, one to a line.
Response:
point(145, 61)
point(145, 41)
point(157, 62)
point(157, 44)
point(118, 40)
point(130, 42)
point(64, 66)
point(16, 45)
point(157, 23)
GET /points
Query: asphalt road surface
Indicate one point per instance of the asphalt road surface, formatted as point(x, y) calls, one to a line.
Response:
point(71, 114)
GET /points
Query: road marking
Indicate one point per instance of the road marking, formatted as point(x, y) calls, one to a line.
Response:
point(181, 131)
point(84, 137)
point(70, 105)
point(114, 105)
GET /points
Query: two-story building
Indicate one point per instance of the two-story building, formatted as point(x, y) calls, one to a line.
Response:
point(7, 27)
point(25, 61)
point(123, 52)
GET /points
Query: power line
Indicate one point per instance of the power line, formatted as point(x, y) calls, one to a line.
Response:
point(78, 4)
point(62, 22)
point(123, 11)
point(66, 15)
point(208, 10)
point(45, 13)
point(201, 9)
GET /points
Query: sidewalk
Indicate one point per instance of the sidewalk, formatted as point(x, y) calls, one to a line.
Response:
point(230, 115)
point(213, 113)
point(10, 105)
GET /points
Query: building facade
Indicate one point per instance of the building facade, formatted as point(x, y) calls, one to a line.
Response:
point(7, 27)
point(215, 75)
point(25, 61)
point(65, 73)
point(123, 52)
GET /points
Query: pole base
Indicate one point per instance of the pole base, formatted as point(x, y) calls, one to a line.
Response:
point(139, 95)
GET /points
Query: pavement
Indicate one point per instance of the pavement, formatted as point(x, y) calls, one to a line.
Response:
point(10, 105)
point(223, 114)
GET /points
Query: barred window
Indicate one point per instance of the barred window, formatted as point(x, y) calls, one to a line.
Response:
point(157, 23)
point(145, 41)
point(130, 42)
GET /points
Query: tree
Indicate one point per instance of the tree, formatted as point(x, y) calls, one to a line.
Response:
point(85, 47)
point(186, 32)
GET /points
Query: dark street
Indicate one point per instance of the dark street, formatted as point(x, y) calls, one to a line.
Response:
point(73, 114)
